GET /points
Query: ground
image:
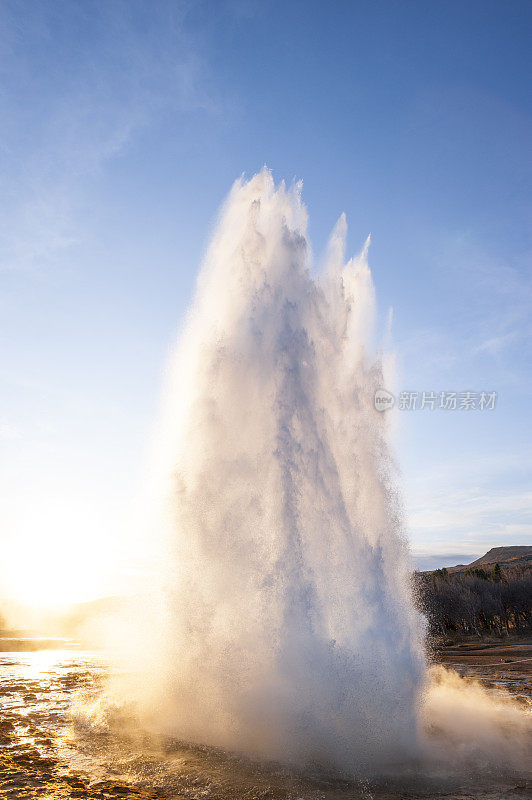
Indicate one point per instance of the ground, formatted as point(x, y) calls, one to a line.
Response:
point(44, 755)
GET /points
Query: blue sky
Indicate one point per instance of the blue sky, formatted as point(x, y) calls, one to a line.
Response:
point(124, 125)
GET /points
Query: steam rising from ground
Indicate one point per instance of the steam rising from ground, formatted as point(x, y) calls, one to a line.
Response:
point(468, 726)
point(288, 628)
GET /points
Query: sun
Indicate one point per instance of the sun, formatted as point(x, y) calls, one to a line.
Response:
point(59, 555)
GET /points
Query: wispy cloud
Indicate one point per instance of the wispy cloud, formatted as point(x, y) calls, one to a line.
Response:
point(83, 80)
point(469, 509)
point(9, 432)
point(495, 345)
point(488, 298)
point(473, 511)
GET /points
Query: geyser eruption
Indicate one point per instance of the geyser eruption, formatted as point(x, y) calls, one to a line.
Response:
point(289, 629)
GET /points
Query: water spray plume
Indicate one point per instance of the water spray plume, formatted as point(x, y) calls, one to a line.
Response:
point(290, 630)
point(287, 628)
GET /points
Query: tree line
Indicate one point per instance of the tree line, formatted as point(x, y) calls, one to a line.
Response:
point(477, 601)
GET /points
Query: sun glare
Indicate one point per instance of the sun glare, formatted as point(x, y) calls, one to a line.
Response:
point(58, 557)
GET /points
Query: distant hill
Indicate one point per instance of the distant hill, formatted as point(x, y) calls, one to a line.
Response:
point(83, 622)
point(506, 557)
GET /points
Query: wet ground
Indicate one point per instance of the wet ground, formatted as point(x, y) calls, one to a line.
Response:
point(501, 666)
point(46, 751)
